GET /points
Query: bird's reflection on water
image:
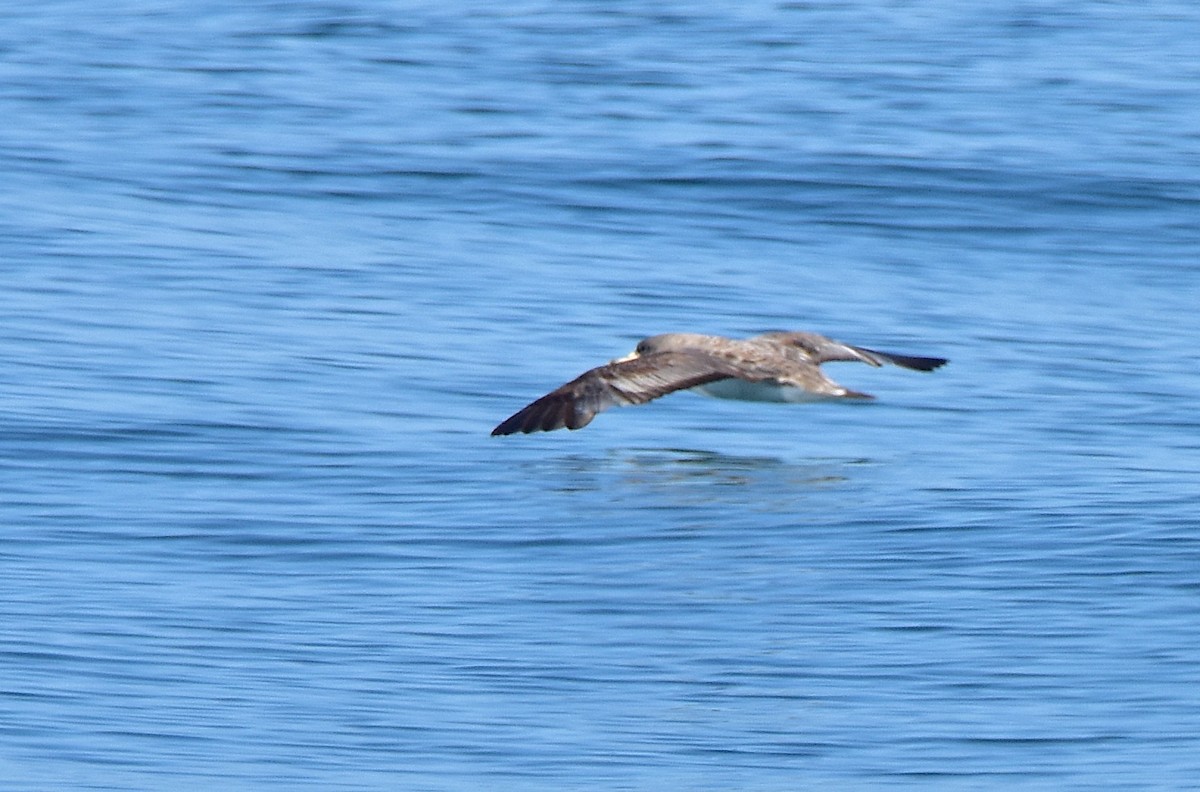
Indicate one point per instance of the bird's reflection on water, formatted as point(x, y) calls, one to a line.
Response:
point(683, 465)
point(690, 475)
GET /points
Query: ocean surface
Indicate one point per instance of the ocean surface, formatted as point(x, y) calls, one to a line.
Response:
point(272, 271)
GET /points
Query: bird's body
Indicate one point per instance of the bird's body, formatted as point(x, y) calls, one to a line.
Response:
point(734, 389)
point(773, 367)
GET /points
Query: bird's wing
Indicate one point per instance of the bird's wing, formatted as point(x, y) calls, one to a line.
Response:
point(619, 383)
point(820, 349)
point(914, 362)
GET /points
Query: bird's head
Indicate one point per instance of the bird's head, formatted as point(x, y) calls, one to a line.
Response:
point(665, 342)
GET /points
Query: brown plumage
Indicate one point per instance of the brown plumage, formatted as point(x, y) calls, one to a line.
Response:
point(779, 366)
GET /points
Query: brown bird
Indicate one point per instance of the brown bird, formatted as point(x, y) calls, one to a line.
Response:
point(773, 367)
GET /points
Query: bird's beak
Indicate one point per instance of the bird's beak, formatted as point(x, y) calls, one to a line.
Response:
point(631, 356)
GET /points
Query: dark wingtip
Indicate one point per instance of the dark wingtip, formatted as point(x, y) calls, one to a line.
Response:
point(517, 422)
point(914, 362)
point(926, 364)
point(552, 411)
point(919, 363)
point(505, 428)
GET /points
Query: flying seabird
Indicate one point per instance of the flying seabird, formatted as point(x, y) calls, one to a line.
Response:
point(773, 367)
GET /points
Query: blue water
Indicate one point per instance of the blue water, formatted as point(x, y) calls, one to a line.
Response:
point(273, 271)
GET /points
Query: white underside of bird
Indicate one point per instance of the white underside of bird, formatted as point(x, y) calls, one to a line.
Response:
point(769, 391)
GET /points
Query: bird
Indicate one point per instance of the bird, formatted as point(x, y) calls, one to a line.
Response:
point(779, 366)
